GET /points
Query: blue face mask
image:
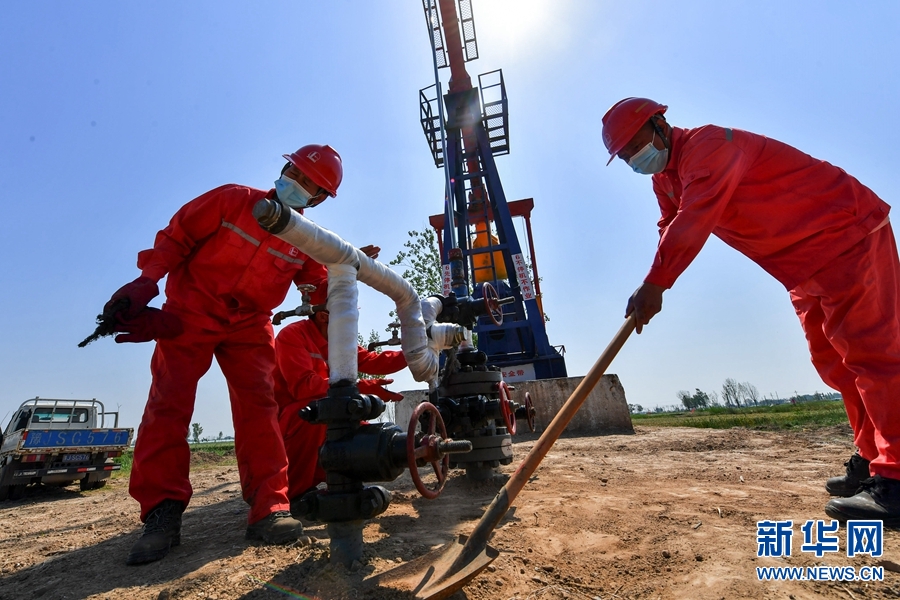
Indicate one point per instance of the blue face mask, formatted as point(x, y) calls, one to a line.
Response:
point(649, 159)
point(291, 193)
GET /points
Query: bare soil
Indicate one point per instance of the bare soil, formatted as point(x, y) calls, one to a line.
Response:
point(664, 513)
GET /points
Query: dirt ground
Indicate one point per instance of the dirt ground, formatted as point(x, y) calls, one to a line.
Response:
point(663, 513)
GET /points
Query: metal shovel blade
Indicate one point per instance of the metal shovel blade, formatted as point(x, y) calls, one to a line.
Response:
point(444, 571)
point(436, 575)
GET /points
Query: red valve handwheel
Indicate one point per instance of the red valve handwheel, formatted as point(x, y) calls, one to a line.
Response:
point(509, 416)
point(426, 451)
point(529, 412)
point(492, 304)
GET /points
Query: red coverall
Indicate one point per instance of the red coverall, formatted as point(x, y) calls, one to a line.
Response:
point(302, 377)
point(818, 231)
point(225, 275)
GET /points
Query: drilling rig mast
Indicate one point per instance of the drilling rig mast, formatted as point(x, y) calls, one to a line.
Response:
point(478, 241)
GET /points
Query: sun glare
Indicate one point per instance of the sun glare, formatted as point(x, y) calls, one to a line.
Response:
point(521, 26)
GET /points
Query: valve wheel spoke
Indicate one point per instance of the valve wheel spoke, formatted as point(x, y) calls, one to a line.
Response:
point(530, 412)
point(509, 416)
point(492, 304)
point(424, 449)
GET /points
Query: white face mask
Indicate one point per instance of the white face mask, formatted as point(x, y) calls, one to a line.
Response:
point(291, 193)
point(649, 159)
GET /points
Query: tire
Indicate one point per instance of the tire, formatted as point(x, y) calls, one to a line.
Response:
point(17, 492)
point(88, 484)
point(5, 487)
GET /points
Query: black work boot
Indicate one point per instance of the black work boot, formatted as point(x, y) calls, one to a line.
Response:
point(878, 498)
point(162, 530)
point(278, 528)
point(846, 485)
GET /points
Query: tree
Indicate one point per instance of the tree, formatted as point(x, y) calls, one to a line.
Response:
point(635, 408)
point(699, 399)
point(748, 393)
point(731, 393)
point(196, 431)
point(422, 263)
point(373, 337)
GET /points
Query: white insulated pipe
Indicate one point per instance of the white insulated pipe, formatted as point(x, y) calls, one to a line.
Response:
point(329, 249)
point(343, 322)
point(441, 335)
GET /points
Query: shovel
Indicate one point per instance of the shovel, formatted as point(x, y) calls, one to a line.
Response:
point(444, 571)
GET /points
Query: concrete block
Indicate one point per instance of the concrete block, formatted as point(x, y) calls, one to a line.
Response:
point(403, 410)
point(605, 410)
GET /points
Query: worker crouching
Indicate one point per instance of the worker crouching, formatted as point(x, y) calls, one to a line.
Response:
point(301, 351)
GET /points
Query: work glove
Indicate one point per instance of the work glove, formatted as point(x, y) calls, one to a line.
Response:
point(139, 293)
point(375, 387)
point(149, 324)
point(371, 251)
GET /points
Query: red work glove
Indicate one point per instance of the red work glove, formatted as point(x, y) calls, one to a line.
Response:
point(139, 293)
point(375, 387)
point(149, 324)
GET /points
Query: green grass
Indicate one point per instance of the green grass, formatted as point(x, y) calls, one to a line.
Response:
point(782, 416)
point(806, 415)
point(217, 448)
point(125, 461)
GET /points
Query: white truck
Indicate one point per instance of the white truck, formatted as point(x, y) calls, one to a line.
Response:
point(57, 442)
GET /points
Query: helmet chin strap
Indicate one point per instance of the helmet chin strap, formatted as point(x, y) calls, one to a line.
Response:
point(659, 131)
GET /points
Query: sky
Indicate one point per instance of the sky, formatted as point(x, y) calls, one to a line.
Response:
point(113, 115)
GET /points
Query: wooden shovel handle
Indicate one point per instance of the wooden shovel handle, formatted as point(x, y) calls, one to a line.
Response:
point(505, 497)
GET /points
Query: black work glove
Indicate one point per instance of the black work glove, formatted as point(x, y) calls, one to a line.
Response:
point(139, 293)
point(149, 324)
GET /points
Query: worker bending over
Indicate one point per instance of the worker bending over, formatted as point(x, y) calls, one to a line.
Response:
point(225, 275)
point(818, 231)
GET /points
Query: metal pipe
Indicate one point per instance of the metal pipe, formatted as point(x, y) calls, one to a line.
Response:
point(448, 196)
point(328, 248)
point(459, 78)
point(534, 268)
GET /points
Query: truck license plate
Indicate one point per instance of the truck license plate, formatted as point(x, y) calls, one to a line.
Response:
point(76, 457)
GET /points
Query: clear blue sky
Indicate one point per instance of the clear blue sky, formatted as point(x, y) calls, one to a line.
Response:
point(114, 114)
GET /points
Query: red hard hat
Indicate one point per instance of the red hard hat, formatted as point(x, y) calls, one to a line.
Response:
point(322, 164)
point(625, 119)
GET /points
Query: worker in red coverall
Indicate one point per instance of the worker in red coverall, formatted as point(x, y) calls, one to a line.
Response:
point(225, 275)
point(818, 231)
point(301, 352)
